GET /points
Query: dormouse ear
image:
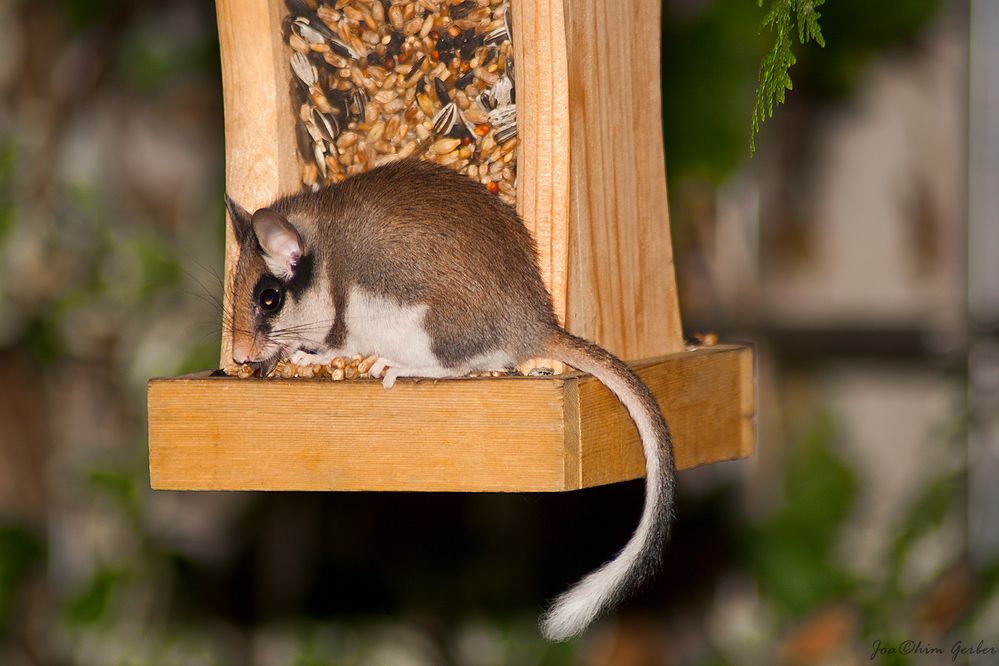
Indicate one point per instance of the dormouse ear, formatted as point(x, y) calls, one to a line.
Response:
point(280, 242)
point(240, 219)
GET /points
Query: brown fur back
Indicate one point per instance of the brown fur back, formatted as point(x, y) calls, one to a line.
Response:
point(423, 234)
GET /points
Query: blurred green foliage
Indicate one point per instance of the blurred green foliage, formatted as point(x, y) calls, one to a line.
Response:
point(857, 31)
point(155, 268)
point(927, 512)
point(705, 124)
point(22, 552)
point(793, 551)
point(112, 270)
point(43, 337)
point(91, 604)
point(7, 210)
point(795, 554)
point(83, 14)
point(148, 60)
point(203, 353)
point(711, 57)
point(988, 590)
point(120, 486)
point(148, 64)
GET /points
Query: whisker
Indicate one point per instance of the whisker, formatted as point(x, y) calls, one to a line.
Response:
point(204, 336)
point(207, 269)
point(309, 326)
point(207, 299)
point(196, 280)
point(304, 330)
point(201, 284)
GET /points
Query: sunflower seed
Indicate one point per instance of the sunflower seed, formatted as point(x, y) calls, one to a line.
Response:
point(502, 91)
point(319, 151)
point(303, 69)
point(441, 91)
point(307, 32)
point(504, 121)
point(326, 125)
point(445, 119)
point(507, 132)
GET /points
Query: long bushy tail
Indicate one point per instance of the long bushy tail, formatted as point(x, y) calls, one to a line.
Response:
point(572, 611)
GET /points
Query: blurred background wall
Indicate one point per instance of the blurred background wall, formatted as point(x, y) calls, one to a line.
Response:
point(857, 250)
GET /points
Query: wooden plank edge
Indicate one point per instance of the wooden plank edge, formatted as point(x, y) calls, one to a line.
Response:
point(572, 421)
point(426, 435)
point(711, 413)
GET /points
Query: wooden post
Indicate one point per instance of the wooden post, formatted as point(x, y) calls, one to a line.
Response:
point(260, 162)
point(591, 175)
point(622, 287)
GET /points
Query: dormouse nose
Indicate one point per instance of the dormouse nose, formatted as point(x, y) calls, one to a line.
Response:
point(241, 351)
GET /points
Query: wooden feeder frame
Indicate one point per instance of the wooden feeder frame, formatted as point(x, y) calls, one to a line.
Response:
point(592, 189)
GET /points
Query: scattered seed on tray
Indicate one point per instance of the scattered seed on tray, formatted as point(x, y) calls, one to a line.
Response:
point(339, 369)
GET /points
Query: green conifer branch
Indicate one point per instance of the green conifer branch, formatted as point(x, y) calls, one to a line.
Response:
point(774, 76)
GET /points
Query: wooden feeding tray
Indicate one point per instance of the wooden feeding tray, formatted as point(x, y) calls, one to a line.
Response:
point(495, 434)
point(590, 185)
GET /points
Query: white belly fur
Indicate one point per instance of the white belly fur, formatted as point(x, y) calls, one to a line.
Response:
point(379, 325)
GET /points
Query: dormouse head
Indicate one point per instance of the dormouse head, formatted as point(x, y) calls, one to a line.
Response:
point(274, 271)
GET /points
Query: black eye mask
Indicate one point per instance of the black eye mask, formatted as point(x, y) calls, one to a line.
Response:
point(269, 292)
point(302, 278)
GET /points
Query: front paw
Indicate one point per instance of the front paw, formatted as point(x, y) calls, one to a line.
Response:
point(383, 365)
point(302, 357)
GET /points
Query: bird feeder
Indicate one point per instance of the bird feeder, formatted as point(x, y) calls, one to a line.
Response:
point(569, 89)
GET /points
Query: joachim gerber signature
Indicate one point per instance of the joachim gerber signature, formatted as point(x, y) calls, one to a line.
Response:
point(911, 647)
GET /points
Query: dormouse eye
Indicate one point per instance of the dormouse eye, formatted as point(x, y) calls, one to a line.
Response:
point(270, 299)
